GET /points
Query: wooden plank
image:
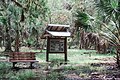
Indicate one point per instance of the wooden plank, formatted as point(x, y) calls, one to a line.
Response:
point(59, 28)
point(63, 29)
point(53, 28)
point(22, 56)
point(23, 61)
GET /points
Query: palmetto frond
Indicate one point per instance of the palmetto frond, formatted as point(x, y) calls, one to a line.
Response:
point(82, 20)
point(111, 10)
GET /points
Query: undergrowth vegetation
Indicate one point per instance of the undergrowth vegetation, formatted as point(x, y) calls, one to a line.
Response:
point(80, 63)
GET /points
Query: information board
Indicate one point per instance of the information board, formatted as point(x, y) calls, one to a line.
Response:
point(56, 45)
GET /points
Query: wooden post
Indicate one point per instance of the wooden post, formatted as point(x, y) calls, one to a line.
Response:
point(65, 48)
point(31, 66)
point(47, 50)
point(14, 64)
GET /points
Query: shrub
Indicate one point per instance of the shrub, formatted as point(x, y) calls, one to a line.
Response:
point(4, 69)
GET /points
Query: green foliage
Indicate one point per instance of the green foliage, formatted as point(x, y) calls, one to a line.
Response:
point(82, 17)
point(4, 69)
point(3, 20)
point(6, 72)
point(110, 8)
point(82, 20)
point(14, 78)
point(34, 31)
point(4, 65)
point(54, 76)
point(24, 75)
point(24, 15)
point(60, 17)
point(114, 4)
point(66, 68)
point(30, 41)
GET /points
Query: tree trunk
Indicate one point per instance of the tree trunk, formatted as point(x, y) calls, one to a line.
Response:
point(7, 37)
point(37, 41)
point(17, 41)
point(8, 42)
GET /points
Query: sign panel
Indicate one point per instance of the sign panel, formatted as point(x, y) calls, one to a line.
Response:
point(56, 45)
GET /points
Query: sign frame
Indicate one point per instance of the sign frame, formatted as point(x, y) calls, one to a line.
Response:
point(57, 45)
point(64, 40)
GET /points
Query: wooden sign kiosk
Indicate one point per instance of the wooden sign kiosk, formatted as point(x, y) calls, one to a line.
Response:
point(56, 36)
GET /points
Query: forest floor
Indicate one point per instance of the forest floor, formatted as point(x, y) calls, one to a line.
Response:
point(81, 65)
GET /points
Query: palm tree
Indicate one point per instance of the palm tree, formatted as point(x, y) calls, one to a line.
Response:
point(111, 12)
point(82, 25)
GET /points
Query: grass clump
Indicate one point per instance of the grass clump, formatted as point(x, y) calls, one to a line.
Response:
point(25, 75)
point(54, 76)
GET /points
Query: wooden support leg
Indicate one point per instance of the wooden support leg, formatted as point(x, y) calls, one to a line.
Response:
point(14, 64)
point(65, 47)
point(65, 57)
point(31, 65)
point(47, 51)
point(47, 57)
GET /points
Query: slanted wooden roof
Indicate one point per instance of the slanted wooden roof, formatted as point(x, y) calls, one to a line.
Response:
point(55, 33)
point(56, 30)
point(58, 25)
